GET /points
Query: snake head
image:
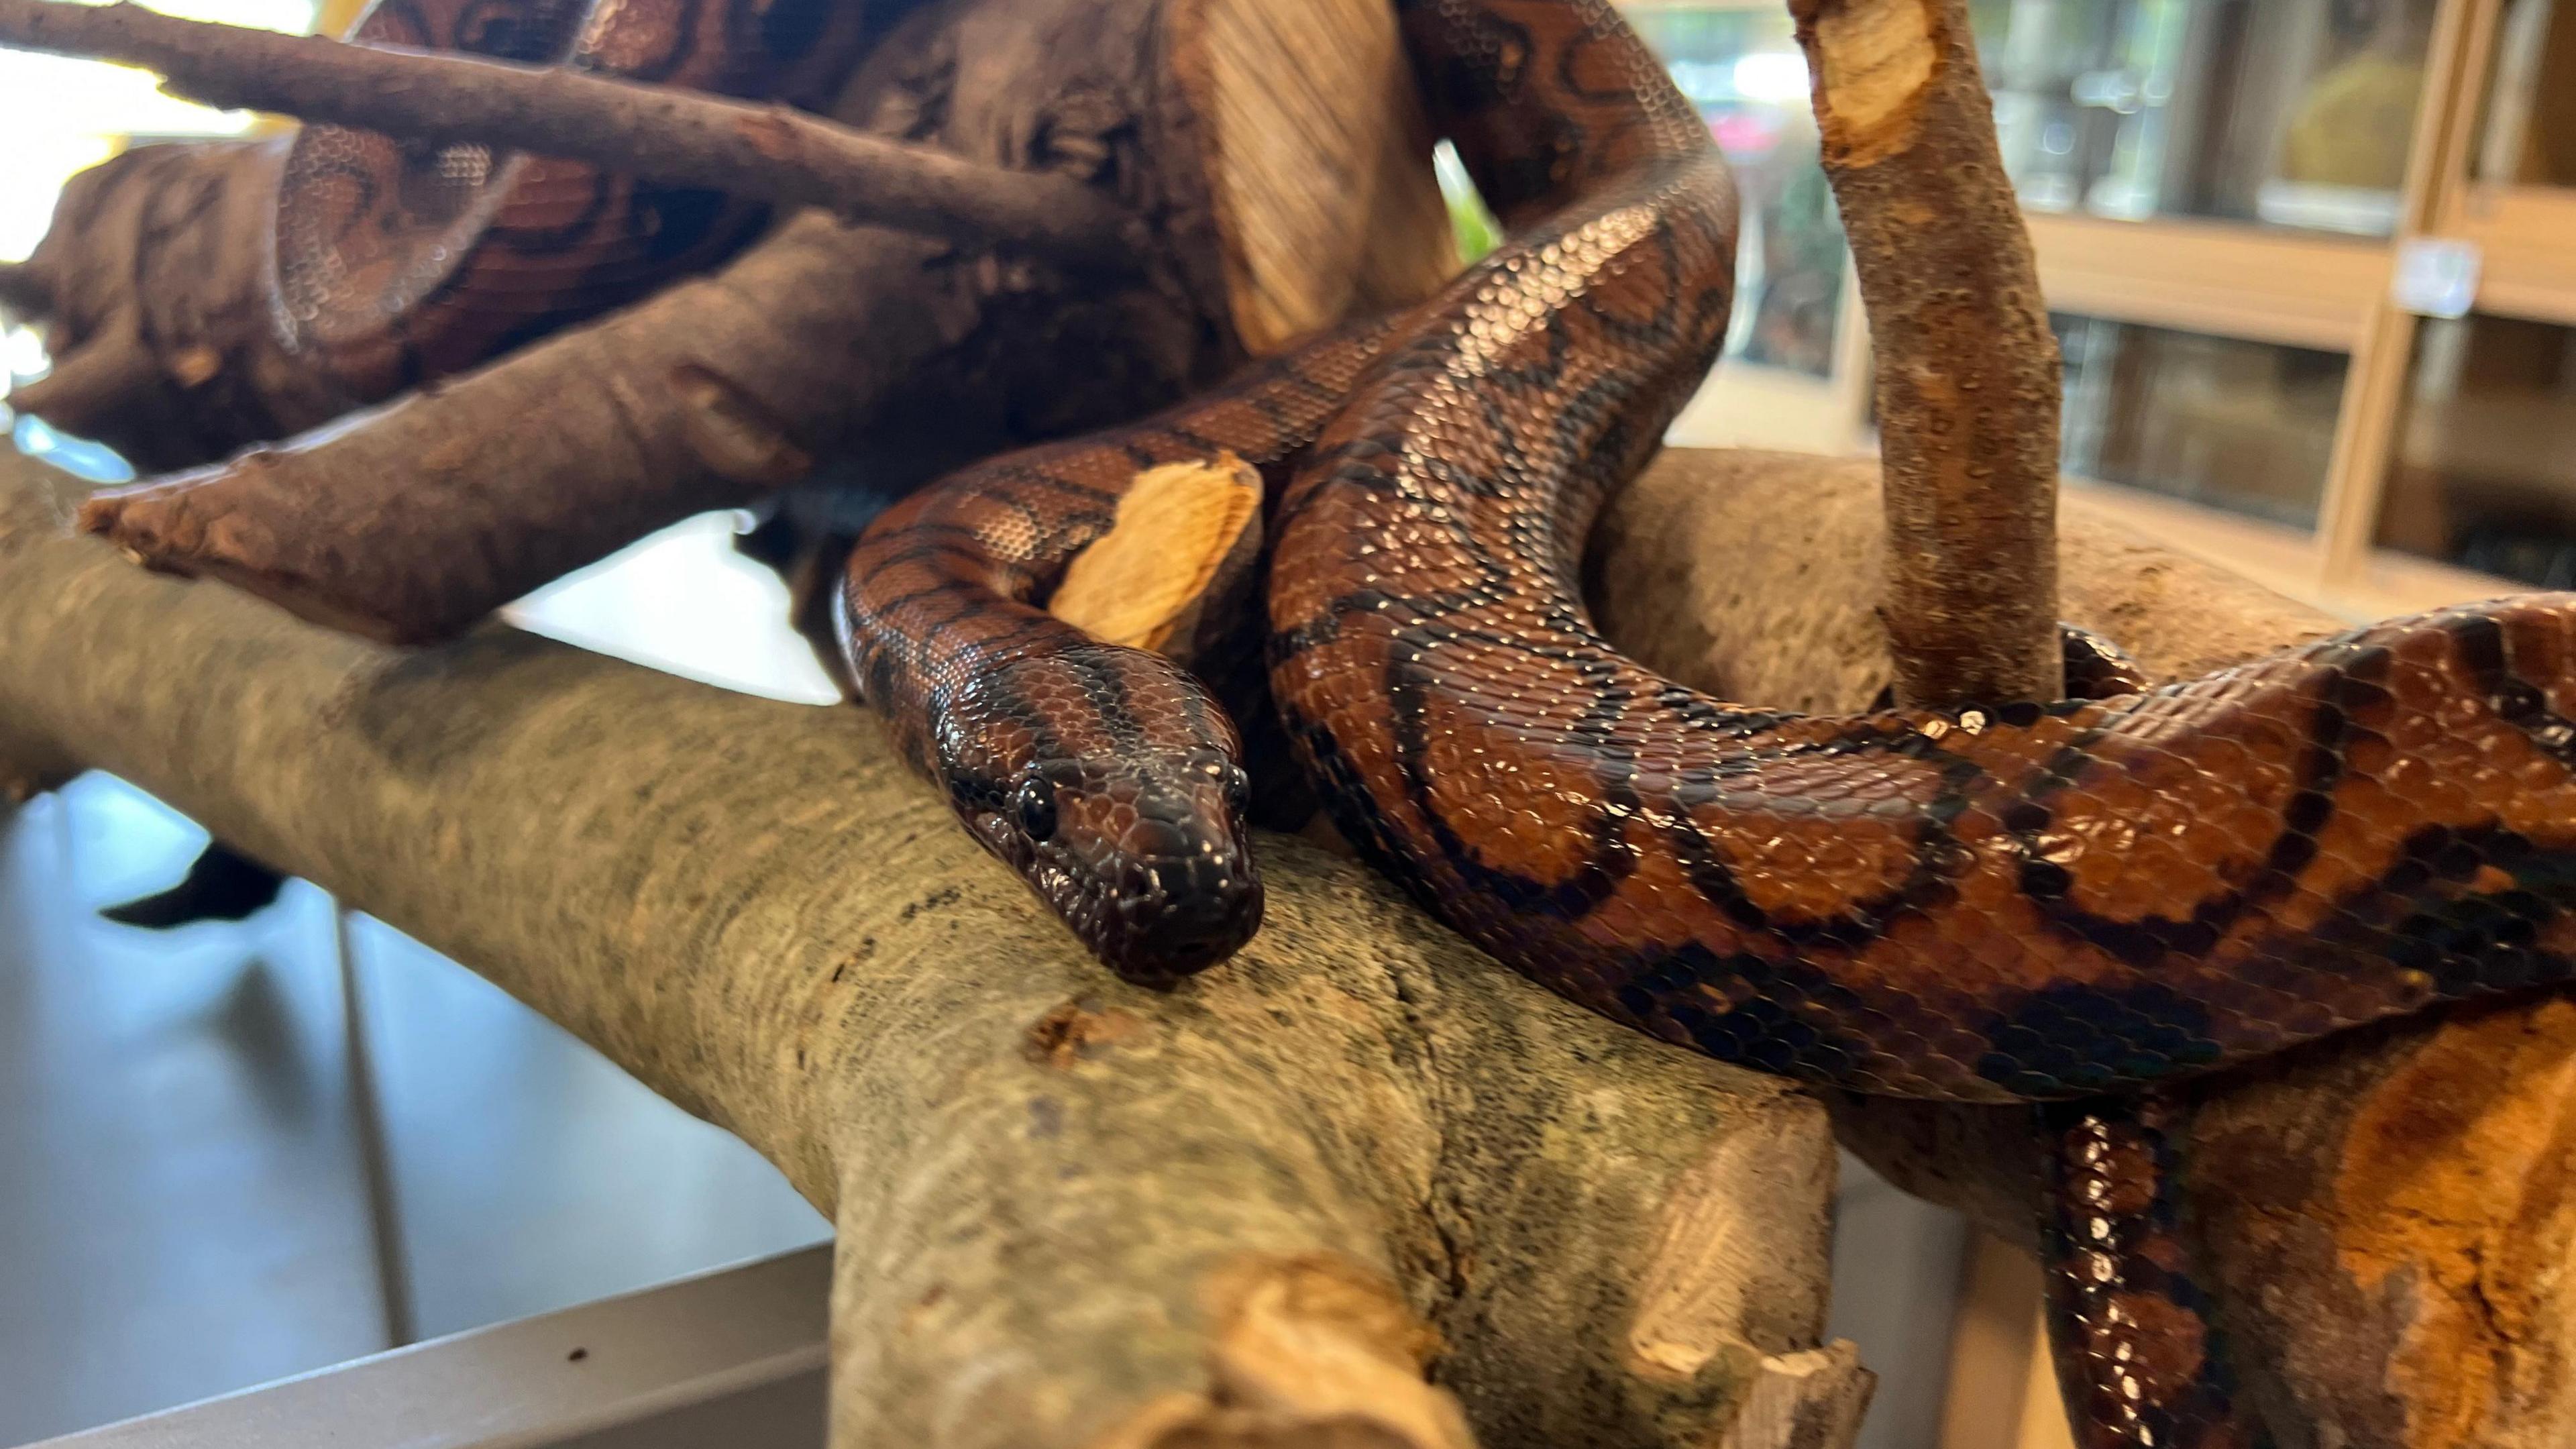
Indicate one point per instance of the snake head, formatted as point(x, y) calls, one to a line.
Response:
point(1122, 806)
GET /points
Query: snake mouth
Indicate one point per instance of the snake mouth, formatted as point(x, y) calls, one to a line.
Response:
point(1164, 900)
point(1179, 938)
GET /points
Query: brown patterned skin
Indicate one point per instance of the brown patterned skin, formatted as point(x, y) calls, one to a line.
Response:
point(2029, 902)
point(1107, 777)
point(397, 263)
point(2138, 1357)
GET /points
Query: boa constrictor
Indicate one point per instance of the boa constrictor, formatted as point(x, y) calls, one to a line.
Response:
point(2067, 902)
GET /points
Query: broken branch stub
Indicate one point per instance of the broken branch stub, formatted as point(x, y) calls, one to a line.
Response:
point(1968, 374)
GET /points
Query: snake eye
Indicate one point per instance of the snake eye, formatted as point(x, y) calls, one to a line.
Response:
point(1035, 807)
point(1238, 788)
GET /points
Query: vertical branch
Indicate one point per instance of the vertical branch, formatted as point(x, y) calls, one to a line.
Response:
point(1967, 368)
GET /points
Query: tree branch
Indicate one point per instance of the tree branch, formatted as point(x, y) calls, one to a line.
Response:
point(767, 152)
point(1073, 1214)
point(86, 386)
point(1968, 374)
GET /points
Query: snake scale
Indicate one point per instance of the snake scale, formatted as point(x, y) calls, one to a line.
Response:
point(2070, 903)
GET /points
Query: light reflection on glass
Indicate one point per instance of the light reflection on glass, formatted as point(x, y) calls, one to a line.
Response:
point(2243, 426)
point(1743, 69)
point(2294, 113)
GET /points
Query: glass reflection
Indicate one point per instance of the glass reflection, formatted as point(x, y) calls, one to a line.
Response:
point(2485, 473)
point(2295, 113)
point(2530, 136)
point(1742, 68)
point(2244, 426)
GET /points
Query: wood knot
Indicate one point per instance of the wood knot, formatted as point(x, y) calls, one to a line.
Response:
point(1074, 1032)
point(771, 132)
point(1170, 571)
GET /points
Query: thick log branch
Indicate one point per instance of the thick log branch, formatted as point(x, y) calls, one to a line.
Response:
point(411, 521)
point(161, 243)
point(1967, 367)
point(1073, 1214)
point(766, 152)
point(2386, 1219)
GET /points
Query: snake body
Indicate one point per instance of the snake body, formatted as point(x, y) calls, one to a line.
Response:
point(397, 263)
point(2075, 903)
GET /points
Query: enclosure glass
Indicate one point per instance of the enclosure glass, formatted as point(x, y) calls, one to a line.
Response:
point(2485, 472)
point(2530, 133)
point(1742, 68)
point(2244, 426)
point(2295, 113)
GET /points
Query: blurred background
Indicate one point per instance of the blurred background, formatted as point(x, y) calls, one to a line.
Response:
point(2313, 263)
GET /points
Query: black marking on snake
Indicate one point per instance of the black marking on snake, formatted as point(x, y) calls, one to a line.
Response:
point(2344, 687)
point(2516, 700)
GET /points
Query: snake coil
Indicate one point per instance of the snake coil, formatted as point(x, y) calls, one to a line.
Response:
point(2076, 902)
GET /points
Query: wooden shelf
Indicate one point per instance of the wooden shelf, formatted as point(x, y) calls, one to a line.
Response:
point(2528, 237)
point(2290, 288)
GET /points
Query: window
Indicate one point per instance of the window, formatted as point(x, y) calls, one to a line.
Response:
point(2485, 472)
point(1743, 69)
point(2530, 136)
point(2294, 113)
point(2243, 426)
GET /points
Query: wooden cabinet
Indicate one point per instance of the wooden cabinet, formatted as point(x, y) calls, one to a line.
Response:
point(2237, 206)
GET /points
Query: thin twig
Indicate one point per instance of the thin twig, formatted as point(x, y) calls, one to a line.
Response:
point(1967, 367)
point(768, 152)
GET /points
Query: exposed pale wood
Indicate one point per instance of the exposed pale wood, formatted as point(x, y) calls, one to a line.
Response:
point(1178, 559)
point(1326, 205)
point(1816, 1396)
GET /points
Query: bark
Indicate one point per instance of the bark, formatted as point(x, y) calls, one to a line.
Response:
point(1968, 372)
point(893, 357)
point(762, 152)
point(159, 244)
point(1249, 1212)
point(2386, 1220)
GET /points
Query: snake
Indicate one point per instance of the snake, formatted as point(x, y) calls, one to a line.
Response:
point(2075, 904)
point(398, 262)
